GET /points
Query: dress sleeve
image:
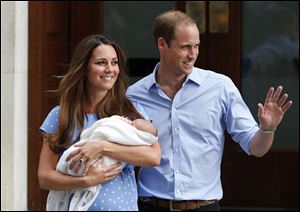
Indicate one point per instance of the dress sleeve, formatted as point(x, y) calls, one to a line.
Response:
point(50, 124)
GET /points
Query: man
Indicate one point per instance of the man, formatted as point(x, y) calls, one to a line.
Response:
point(191, 108)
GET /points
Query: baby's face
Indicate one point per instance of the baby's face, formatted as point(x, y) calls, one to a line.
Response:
point(142, 125)
point(126, 120)
point(138, 123)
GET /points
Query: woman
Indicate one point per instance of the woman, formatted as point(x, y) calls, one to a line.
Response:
point(93, 88)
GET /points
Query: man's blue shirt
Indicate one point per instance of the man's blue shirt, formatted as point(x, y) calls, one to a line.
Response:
point(191, 133)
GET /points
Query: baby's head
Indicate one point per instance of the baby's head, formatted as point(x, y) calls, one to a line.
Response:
point(145, 126)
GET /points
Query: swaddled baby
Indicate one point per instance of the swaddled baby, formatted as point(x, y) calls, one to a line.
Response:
point(116, 129)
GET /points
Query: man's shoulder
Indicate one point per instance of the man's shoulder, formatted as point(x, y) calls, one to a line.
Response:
point(139, 85)
point(211, 74)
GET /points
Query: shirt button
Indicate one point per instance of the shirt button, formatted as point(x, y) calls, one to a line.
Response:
point(176, 150)
point(174, 108)
point(177, 191)
point(177, 171)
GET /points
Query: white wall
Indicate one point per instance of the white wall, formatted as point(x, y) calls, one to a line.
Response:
point(14, 101)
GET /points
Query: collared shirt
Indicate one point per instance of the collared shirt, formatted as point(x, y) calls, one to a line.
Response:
point(191, 133)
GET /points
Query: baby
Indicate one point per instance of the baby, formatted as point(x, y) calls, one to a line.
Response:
point(115, 129)
point(142, 124)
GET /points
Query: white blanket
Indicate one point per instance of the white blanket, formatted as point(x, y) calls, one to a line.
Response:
point(112, 129)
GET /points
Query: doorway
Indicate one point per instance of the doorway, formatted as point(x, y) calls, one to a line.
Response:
point(56, 27)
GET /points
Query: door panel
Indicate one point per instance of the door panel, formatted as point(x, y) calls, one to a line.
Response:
point(54, 29)
point(47, 52)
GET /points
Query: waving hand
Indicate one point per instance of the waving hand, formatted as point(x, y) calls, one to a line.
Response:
point(271, 113)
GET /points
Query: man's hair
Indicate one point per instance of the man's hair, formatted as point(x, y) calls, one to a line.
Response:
point(166, 23)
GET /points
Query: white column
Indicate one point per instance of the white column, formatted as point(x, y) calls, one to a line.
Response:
point(14, 101)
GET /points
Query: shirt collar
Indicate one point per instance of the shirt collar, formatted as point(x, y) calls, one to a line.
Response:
point(152, 80)
point(197, 76)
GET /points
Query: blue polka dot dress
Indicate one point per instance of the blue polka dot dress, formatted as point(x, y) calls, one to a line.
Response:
point(119, 194)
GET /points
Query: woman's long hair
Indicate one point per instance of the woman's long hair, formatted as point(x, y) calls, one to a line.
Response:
point(73, 95)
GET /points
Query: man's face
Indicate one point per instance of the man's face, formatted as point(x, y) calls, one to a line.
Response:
point(182, 52)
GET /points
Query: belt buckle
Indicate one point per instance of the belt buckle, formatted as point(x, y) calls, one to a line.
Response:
point(171, 206)
point(211, 201)
point(144, 199)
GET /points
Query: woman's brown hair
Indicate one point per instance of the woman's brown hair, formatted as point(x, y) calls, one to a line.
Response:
point(73, 93)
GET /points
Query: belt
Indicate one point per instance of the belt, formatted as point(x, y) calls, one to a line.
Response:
point(177, 205)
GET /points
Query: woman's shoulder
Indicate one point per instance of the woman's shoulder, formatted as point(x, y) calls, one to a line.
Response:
point(51, 121)
point(55, 109)
point(53, 112)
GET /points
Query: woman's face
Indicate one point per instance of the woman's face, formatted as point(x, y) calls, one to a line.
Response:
point(103, 69)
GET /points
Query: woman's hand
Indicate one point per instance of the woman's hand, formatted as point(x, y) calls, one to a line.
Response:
point(85, 154)
point(98, 175)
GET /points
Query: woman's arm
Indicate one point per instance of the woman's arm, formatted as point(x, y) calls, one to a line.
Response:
point(50, 179)
point(139, 155)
